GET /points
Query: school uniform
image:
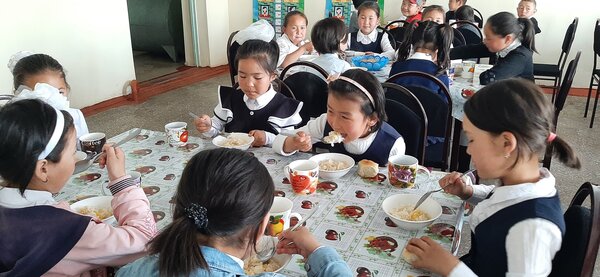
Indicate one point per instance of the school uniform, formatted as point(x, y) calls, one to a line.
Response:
point(516, 230)
point(332, 63)
point(270, 112)
point(376, 42)
point(286, 46)
point(420, 62)
point(377, 146)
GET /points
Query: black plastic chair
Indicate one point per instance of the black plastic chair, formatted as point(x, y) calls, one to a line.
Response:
point(554, 72)
point(478, 17)
point(279, 86)
point(391, 38)
point(396, 29)
point(232, 48)
point(595, 78)
point(458, 39)
point(579, 248)
point(309, 86)
point(470, 36)
point(411, 125)
point(561, 98)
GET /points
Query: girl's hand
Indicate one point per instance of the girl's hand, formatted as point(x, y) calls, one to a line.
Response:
point(454, 184)
point(370, 53)
point(304, 243)
point(302, 141)
point(203, 123)
point(114, 160)
point(431, 256)
point(308, 47)
point(260, 138)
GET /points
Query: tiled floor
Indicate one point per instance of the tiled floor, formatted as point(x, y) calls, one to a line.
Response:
point(149, 65)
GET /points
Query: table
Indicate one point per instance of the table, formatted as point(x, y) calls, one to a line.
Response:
point(352, 236)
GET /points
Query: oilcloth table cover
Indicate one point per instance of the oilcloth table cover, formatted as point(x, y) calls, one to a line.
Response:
point(349, 217)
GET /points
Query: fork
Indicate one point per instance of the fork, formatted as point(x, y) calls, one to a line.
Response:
point(427, 194)
point(289, 133)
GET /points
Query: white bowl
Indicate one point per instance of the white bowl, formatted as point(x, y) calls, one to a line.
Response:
point(245, 138)
point(333, 174)
point(431, 207)
point(281, 259)
point(97, 202)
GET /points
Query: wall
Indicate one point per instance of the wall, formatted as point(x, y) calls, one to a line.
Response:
point(89, 38)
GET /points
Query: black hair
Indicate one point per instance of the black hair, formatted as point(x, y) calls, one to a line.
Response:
point(431, 8)
point(327, 34)
point(531, 1)
point(33, 65)
point(357, 3)
point(289, 15)
point(344, 89)
point(264, 53)
point(518, 106)
point(237, 192)
point(465, 13)
point(431, 36)
point(505, 23)
point(26, 127)
point(369, 5)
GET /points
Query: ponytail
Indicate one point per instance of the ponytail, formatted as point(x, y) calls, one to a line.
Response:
point(407, 42)
point(565, 154)
point(444, 42)
point(527, 33)
point(431, 36)
point(505, 23)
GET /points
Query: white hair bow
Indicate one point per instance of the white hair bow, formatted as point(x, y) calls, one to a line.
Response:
point(44, 92)
point(15, 58)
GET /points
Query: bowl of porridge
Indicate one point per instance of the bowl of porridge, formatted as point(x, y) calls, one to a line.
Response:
point(253, 266)
point(240, 141)
point(98, 207)
point(399, 208)
point(333, 165)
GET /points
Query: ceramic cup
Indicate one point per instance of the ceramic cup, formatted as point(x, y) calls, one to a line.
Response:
point(177, 133)
point(137, 179)
point(402, 170)
point(92, 143)
point(468, 67)
point(303, 175)
point(280, 215)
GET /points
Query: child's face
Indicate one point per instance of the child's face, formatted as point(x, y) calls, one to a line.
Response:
point(50, 77)
point(454, 4)
point(435, 16)
point(59, 173)
point(254, 80)
point(486, 150)
point(367, 21)
point(345, 116)
point(526, 9)
point(495, 42)
point(295, 29)
point(409, 9)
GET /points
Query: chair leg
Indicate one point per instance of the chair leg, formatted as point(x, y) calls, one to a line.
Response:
point(595, 104)
point(587, 103)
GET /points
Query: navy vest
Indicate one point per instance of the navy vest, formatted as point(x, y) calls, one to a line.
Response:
point(378, 151)
point(487, 256)
point(35, 239)
point(374, 47)
point(244, 120)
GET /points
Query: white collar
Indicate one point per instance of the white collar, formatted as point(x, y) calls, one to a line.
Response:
point(288, 40)
point(12, 198)
point(516, 43)
point(264, 99)
point(421, 56)
point(366, 39)
point(360, 145)
point(236, 259)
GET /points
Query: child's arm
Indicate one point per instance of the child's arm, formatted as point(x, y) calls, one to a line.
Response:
point(464, 188)
point(511, 66)
point(294, 56)
point(470, 51)
point(387, 48)
point(289, 145)
point(208, 127)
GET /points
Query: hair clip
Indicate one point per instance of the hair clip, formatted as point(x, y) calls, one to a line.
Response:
point(551, 137)
point(198, 214)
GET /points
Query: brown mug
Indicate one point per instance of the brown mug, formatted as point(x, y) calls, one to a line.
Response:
point(92, 143)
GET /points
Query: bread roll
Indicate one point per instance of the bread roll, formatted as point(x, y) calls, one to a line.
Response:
point(367, 168)
point(408, 256)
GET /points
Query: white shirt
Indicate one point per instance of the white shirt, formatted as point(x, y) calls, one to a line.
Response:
point(530, 244)
point(316, 127)
point(386, 46)
point(11, 198)
point(331, 63)
point(286, 46)
point(81, 127)
point(516, 43)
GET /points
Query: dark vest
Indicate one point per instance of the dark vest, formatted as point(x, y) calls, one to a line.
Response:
point(374, 47)
point(487, 256)
point(35, 239)
point(245, 120)
point(378, 151)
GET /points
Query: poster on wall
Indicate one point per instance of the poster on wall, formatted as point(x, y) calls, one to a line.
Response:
point(342, 9)
point(274, 11)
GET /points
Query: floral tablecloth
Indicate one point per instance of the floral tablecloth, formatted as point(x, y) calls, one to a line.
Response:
point(349, 217)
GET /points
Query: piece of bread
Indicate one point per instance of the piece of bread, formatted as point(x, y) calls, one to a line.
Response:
point(408, 256)
point(367, 168)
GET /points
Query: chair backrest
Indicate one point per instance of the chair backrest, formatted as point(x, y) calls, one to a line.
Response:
point(397, 29)
point(4, 98)
point(470, 36)
point(308, 87)
point(415, 138)
point(579, 248)
point(391, 38)
point(567, 43)
point(478, 17)
point(597, 38)
point(232, 48)
point(459, 39)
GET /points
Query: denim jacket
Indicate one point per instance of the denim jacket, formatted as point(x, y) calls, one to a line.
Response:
point(324, 261)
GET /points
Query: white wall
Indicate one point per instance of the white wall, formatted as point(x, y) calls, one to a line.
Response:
point(89, 38)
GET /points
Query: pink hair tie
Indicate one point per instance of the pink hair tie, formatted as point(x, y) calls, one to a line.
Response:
point(551, 137)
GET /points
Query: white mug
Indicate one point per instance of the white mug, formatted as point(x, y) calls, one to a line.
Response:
point(303, 175)
point(280, 215)
point(177, 134)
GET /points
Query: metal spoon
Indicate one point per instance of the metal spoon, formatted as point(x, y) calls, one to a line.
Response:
point(83, 165)
point(427, 194)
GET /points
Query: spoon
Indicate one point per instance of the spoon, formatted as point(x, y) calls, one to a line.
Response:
point(289, 133)
point(83, 165)
point(427, 194)
point(221, 133)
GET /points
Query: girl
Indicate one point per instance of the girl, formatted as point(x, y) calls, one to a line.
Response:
point(368, 39)
point(411, 9)
point(221, 210)
point(255, 108)
point(30, 69)
point(511, 39)
point(434, 13)
point(431, 44)
point(329, 39)
point(291, 43)
point(517, 227)
point(42, 236)
point(356, 110)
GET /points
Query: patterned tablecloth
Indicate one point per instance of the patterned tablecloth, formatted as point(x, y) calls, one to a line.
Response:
point(349, 217)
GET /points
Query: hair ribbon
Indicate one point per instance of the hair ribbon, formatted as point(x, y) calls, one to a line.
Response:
point(334, 77)
point(56, 134)
point(551, 137)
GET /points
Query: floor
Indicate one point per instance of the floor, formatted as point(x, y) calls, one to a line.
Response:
point(150, 65)
point(200, 98)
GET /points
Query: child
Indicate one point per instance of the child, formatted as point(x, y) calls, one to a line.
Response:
point(291, 43)
point(42, 236)
point(355, 110)
point(31, 69)
point(466, 13)
point(453, 5)
point(368, 39)
point(517, 227)
point(255, 108)
point(329, 37)
point(434, 13)
point(526, 9)
point(412, 10)
point(512, 39)
point(221, 210)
